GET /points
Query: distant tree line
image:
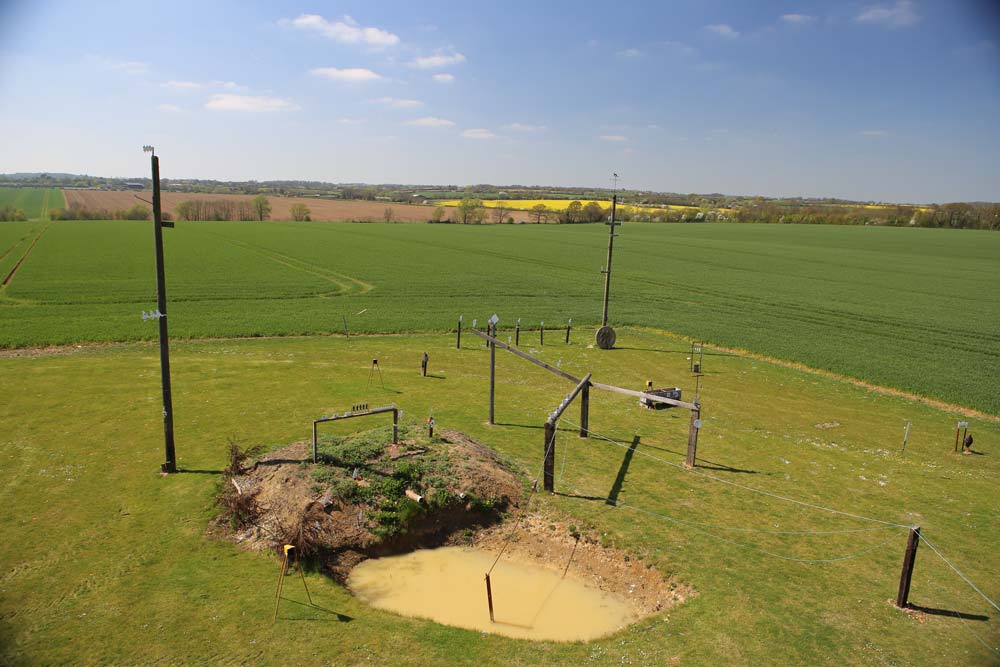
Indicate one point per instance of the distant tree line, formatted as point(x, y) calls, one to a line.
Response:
point(244, 210)
point(77, 211)
point(950, 216)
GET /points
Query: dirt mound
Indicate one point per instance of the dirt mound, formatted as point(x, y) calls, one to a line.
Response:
point(367, 498)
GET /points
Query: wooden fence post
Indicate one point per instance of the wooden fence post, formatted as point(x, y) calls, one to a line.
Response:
point(902, 596)
point(692, 453)
point(549, 476)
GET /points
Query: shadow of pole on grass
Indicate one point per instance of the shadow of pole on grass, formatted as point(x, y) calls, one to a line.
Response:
point(616, 488)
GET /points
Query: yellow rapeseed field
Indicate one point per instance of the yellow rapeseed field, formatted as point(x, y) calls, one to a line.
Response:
point(559, 204)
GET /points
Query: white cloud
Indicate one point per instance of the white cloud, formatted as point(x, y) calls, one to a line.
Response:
point(183, 86)
point(169, 108)
point(873, 133)
point(444, 78)
point(191, 86)
point(899, 15)
point(397, 103)
point(722, 29)
point(525, 127)
point(249, 103)
point(629, 53)
point(433, 62)
point(124, 66)
point(678, 47)
point(798, 19)
point(430, 121)
point(478, 133)
point(346, 74)
point(613, 137)
point(347, 31)
point(350, 121)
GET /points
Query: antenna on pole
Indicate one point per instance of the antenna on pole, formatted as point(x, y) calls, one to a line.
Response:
point(170, 465)
point(605, 337)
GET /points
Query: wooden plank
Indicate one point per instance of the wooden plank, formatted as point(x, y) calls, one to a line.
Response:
point(584, 383)
point(641, 394)
point(598, 385)
point(525, 356)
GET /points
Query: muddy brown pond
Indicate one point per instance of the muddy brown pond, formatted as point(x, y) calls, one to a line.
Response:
point(447, 585)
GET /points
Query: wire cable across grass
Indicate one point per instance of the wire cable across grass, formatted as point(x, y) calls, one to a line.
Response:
point(741, 486)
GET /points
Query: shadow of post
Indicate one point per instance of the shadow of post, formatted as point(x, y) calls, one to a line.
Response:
point(616, 488)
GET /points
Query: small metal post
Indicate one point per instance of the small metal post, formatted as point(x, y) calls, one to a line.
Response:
point(458, 341)
point(347, 333)
point(692, 452)
point(493, 375)
point(585, 412)
point(902, 596)
point(549, 476)
point(541, 335)
point(314, 443)
point(517, 333)
point(569, 324)
point(906, 434)
point(281, 583)
point(395, 426)
point(489, 597)
point(423, 365)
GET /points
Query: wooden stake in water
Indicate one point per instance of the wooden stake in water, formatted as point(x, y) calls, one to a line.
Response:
point(489, 597)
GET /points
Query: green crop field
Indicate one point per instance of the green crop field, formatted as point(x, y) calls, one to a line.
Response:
point(106, 562)
point(35, 202)
point(913, 309)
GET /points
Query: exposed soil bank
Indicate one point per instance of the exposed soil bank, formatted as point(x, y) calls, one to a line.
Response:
point(343, 515)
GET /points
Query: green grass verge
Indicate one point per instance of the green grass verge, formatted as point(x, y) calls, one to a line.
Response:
point(106, 562)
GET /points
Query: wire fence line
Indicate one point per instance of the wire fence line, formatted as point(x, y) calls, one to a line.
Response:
point(548, 448)
point(700, 527)
point(776, 496)
point(959, 572)
point(887, 524)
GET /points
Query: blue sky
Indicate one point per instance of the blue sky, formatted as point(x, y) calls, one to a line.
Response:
point(895, 100)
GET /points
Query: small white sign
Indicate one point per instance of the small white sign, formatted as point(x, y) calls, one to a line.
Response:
point(963, 424)
point(494, 319)
point(697, 423)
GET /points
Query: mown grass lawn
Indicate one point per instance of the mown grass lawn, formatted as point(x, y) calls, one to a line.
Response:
point(104, 561)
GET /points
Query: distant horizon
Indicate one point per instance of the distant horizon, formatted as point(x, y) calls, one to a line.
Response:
point(461, 186)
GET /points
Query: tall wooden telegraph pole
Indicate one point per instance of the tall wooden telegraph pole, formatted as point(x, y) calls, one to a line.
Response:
point(170, 465)
point(606, 335)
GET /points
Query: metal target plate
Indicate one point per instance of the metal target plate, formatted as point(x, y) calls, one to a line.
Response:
point(605, 338)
